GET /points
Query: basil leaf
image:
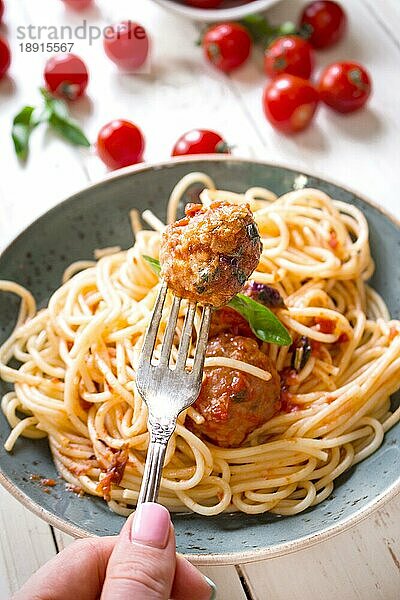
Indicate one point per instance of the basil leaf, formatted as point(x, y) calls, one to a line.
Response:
point(68, 130)
point(154, 263)
point(21, 131)
point(262, 32)
point(264, 324)
point(55, 106)
point(54, 113)
point(257, 26)
point(58, 118)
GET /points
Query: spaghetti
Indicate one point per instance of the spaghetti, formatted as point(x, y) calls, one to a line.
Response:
point(76, 380)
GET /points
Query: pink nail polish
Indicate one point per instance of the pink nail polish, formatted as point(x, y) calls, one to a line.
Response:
point(151, 525)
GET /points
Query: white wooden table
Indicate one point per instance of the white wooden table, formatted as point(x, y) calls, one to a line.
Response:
point(178, 94)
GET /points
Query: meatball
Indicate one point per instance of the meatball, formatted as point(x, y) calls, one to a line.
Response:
point(208, 255)
point(232, 402)
point(227, 320)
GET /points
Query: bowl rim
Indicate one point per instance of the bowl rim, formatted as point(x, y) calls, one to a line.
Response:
point(221, 14)
point(225, 558)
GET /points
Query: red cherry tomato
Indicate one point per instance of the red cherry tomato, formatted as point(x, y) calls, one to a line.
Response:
point(227, 46)
point(1, 10)
point(126, 44)
point(120, 143)
point(345, 86)
point(290, 103)
point(66, 75)
point(78, 4)
point(5, 57)
point(200, 141)
point(326, 20)
point(289, 54)
point(204, 3)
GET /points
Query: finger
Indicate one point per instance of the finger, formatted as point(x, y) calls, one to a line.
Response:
point(142, 565)
point(190, 583)
point(77, 572)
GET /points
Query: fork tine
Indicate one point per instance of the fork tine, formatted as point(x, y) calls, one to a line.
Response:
point(170, 332)
point(186, 337)
point(151, 334)
point(202, 339)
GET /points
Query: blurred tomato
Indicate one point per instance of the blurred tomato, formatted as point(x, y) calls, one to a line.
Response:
point(78, 4)
point(66, 75)
point(326, 21)
point(120, 143)
point(200, 141)
point(126, 44)
point(5, 57)
point(227, 46)
point(290, 103)
point(345, 86)
point(289, 54)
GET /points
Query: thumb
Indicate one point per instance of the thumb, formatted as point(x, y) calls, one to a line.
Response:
point(142, 565)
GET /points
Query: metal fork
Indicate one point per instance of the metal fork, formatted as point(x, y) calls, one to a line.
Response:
point(167, 392)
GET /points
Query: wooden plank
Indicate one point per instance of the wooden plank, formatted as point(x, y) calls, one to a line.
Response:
point(358, 149)
point(227, 581)
point(361, 564)
point(54, 169)
point(179, 93)
point(387, 14)
point(62, 539)
point(25, 544)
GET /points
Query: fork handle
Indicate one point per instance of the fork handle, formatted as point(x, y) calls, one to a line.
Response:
point(159, 438)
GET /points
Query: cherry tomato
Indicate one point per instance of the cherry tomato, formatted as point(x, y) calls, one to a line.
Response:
point(5, 57)
point(66, 75)
point(345, 86)
point(200, 141)
point(126, 44)
point(326, 20)
point(204, 3)
point(78, 4)
point(1, 10)
point(290, 103)
point(289, 54)
point(227, 46)
point(120, 143)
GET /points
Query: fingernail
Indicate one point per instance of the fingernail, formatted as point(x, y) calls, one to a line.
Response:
point(151, 525)
point(213, 588)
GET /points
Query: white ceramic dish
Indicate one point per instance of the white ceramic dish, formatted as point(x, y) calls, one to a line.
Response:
point(233, 12)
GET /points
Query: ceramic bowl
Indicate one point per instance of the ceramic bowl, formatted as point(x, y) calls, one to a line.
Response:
point(232, 10)
point(98, 217)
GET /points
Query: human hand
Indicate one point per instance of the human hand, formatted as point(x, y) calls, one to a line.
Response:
point(141, 563)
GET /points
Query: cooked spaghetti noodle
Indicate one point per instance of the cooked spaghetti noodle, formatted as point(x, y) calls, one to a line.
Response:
point(76, 382)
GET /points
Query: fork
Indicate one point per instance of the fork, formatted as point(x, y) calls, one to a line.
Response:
point(166, 391)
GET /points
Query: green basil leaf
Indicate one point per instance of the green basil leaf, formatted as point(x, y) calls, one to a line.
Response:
point(40, 115)
point(69, 130)
point(154, 263)
point(262, 32)
point(23, 124)
point(55, 105)
point(287, 28)
point(264, 324)
point(257, 26)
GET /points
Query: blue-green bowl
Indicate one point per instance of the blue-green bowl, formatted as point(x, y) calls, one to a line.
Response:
point(98, 217)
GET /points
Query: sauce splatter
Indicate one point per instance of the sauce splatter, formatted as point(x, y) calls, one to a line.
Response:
point(114, 473)
point(48, 482)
